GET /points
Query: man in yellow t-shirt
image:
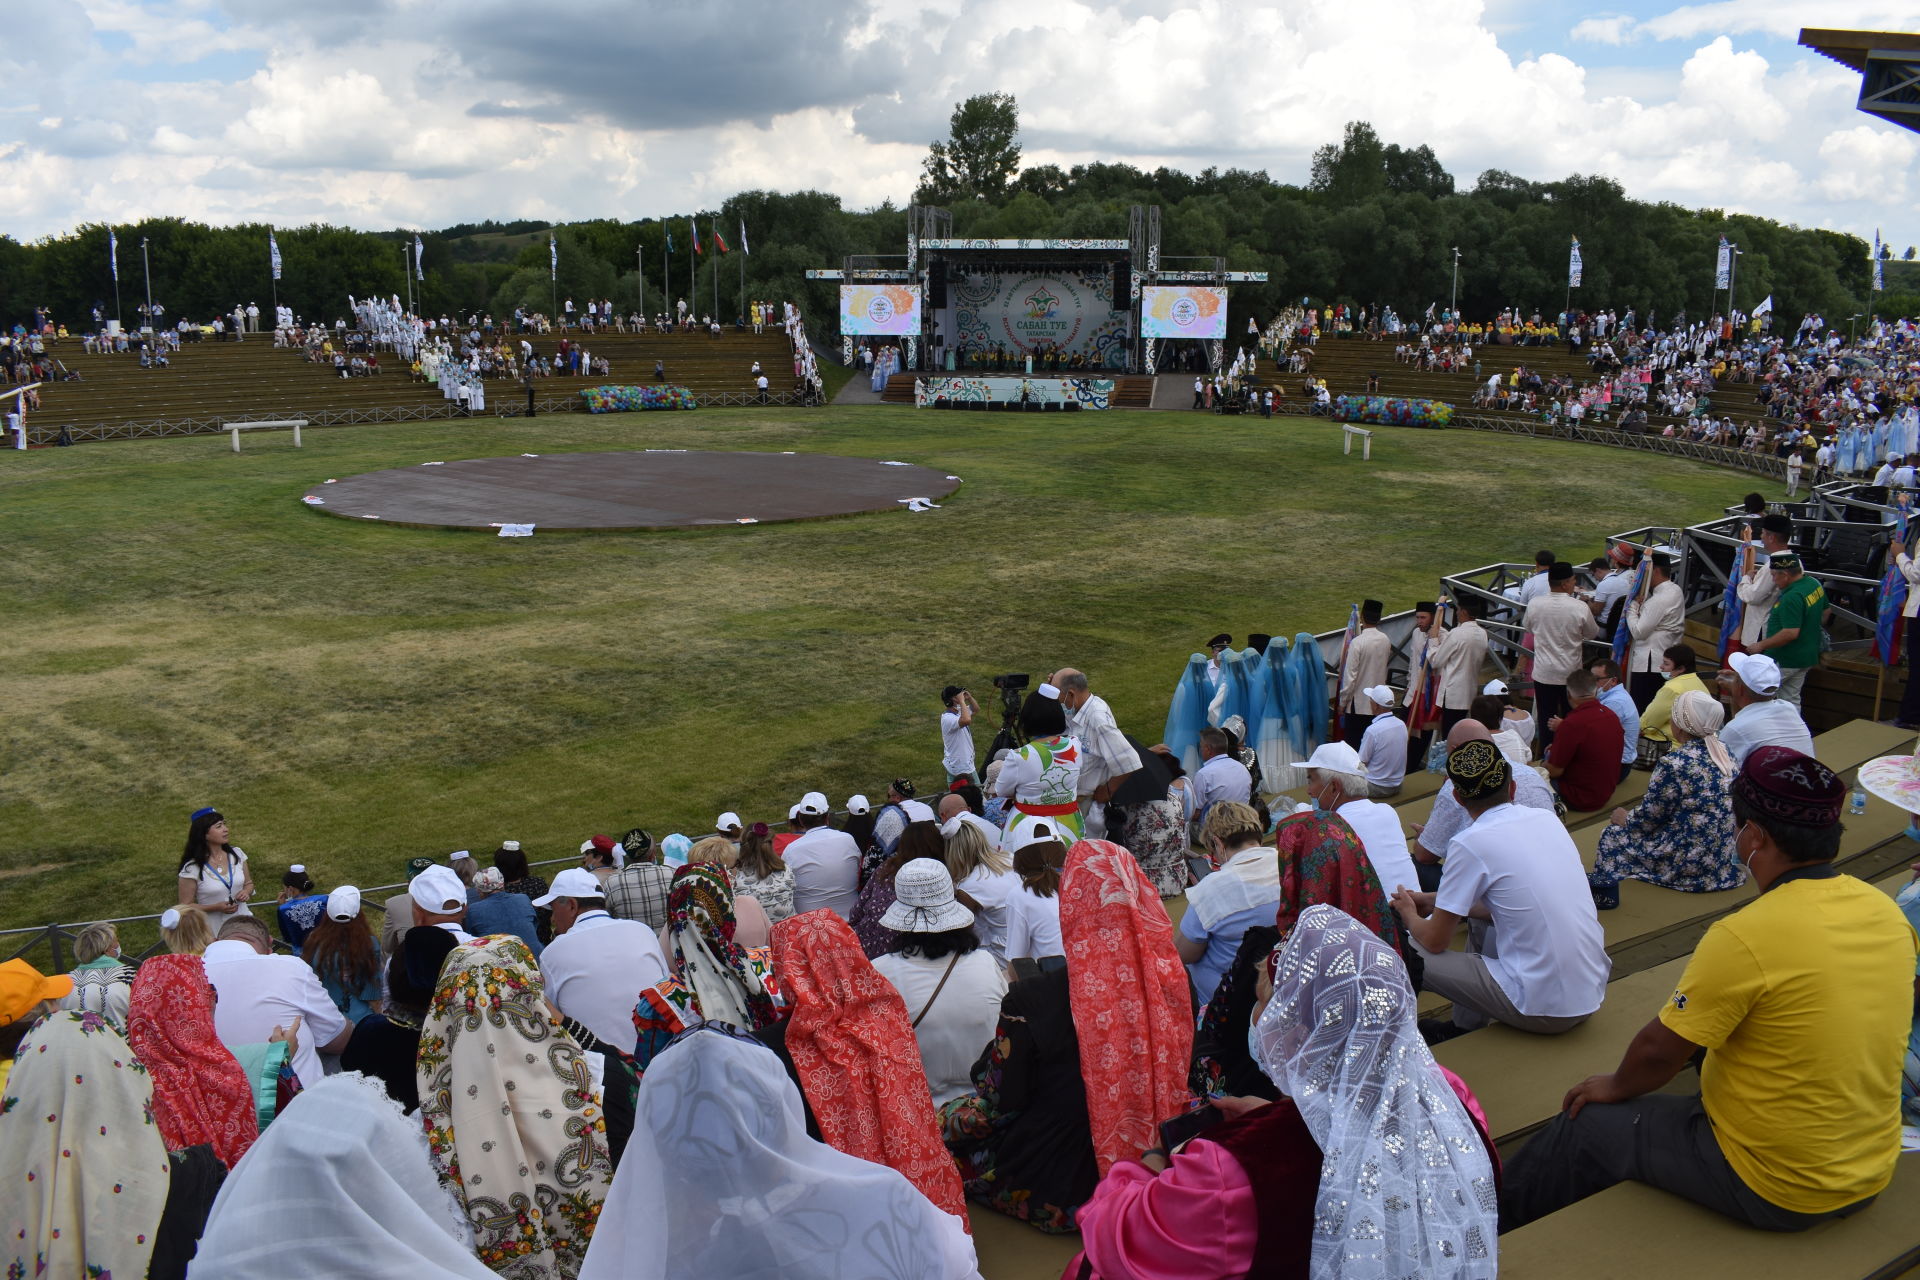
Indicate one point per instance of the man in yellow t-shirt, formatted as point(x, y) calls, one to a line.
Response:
point(1801, 1002)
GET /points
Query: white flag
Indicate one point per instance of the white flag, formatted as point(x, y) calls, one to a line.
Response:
point(1765, 308)
point(1723, 265)
point(1573, 265)
point(273, 253)
point(743, 236)
point(553, 257)
point(113, 254)
point(419, 259)
point(1879, 273)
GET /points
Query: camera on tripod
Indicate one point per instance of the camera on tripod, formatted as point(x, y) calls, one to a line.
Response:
point(1013, 691)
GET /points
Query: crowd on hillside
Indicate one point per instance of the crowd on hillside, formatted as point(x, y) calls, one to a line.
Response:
point(803, 1052)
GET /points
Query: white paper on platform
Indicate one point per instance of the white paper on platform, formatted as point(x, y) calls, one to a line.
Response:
point(516, 531)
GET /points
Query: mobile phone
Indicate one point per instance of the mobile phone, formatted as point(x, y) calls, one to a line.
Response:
point(1182, 1129)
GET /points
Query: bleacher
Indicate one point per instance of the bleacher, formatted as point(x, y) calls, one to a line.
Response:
point(209, 382)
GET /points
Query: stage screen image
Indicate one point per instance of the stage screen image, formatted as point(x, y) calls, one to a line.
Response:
point(1183, 311)
point(868, 310)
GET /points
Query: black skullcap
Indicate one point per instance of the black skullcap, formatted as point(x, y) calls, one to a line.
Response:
point(1425, 606)
point(1258, 641)
point(1371, 610)
point(1559, 571)
point(1778, 525)
point(1477, 769)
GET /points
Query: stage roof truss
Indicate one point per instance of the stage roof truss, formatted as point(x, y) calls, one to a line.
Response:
point(1889, 67)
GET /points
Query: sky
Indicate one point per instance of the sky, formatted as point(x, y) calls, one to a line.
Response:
point(423, 113)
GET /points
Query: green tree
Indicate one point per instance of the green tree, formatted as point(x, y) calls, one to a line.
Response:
point(980, 156)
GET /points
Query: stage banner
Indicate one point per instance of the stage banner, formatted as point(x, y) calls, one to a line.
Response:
point(1033, 313)
point(880, 309)
point(1183, 311)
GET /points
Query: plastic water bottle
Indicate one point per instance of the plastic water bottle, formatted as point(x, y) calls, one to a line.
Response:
point(1857, 803)
point(1437, 756)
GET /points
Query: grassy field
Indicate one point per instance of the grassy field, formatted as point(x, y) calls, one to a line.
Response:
point(181, 631)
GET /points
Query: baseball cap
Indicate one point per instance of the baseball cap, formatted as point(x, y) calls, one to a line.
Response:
point(436, 889)
point(728, 821)
point(1380, 693)
point(343, 903)
point(1034, 831)
point(22, 986)
point(813, 804)
point(1756, 671)
point(1498, 688)
point(1335, 757)
point(574, 882)
point(859, 805)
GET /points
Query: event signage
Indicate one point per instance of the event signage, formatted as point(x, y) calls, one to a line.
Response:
point(880, 310)
point(1183, 311)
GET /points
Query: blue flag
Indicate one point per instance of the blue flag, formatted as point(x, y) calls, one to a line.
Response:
point(113, 254)
point(1733, 610)
point(1893, 595)
point(1623, 638)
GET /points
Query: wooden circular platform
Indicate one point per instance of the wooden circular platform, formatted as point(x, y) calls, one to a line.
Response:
point(649, 489)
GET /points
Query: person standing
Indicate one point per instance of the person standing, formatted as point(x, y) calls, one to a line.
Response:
point(213, 873)
point(1656, 625)
point(1794, 625)
point(1756, 590)
point(1106, 757)
point(1459, 654)
point(1560, 625)
point(1908, 716)
point(1366, 666)
point(956, 734)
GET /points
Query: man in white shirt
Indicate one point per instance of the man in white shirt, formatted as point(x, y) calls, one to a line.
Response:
point(1538, 583)
point(1336, 785)
point(956, 734)
point(1383, 748)
point(260, 993)
point(953, 812)
point(1459, 654)
point(1448, 819)
point(825, 863)
point(1106, 757)
point(1537, 959)
point(1761, 718)
point(1560, 625)
point(1656, 625)
point(1884, 476)
point(596, 966)
point(1365, 666)
point(1219, 777)
point(1757, 590)
point(440, 899)
point(1216, 646)
point(1610, 593)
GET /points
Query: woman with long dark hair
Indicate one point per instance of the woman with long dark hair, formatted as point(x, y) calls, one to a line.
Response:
point(213, 872)
point(343, 955)
point(759, 873)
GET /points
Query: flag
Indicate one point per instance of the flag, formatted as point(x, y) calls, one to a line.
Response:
point(113, 254)
point(553, 257)
point(717, 240)
point(419, 259)
point(1622, 638)
point(1423, 688)
point(1573, 265)
point(1723, 266)
point(1879, 276)
point(669, 242)
point(1346, 642)
point(1766, 306)
point(1733, 610)
point(743, 238)
point(273, 253)
point(1893, 594)
point(694, 228)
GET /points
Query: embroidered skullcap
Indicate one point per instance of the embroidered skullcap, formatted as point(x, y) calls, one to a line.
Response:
point(1477, 770)
point(1620, 553)
point(1784, 562)
point(1782, 785)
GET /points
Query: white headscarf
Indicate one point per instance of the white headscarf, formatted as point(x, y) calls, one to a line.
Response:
point(1699, 716)
point(721, 1179)
point(1406, 1187)
point(339, 1185)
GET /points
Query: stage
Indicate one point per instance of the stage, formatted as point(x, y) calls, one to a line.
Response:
point(647, 489)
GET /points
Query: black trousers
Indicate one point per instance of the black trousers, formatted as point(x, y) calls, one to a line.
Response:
point(1643, 686)
point(1448, 719)
point(1549, 700)
point(1353, 727)
point(1660, 1139)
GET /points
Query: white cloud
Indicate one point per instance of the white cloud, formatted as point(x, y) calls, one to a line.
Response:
point(380, 113)
point(1779, 18)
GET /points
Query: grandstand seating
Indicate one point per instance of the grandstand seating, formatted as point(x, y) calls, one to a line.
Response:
point(252, 379)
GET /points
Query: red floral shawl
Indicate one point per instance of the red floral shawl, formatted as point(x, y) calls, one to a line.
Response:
point(200, 1092)
point(854, 1049)
point(1129, 992)
point(1323, 861)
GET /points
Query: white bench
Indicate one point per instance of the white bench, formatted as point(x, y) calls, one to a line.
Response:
point(279, 423)
point(1366, 442)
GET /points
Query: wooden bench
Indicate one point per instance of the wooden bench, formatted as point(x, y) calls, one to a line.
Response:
point(277, 424)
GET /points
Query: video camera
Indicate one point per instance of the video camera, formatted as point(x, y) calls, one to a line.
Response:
point(1013, 692)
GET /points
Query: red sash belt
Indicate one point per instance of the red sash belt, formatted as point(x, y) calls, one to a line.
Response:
point(1045, 810)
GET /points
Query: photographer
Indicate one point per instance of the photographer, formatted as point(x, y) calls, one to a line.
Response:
point(956, 734)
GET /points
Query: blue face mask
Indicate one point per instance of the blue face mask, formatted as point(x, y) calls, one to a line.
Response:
point(1908, 899)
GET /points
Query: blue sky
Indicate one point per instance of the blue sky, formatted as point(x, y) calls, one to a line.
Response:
point(381, 113)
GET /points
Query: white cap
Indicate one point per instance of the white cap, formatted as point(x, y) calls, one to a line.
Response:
point(296, 870)
point(951, 827)
point(1335, 757)
point(1049, 691)
point(343, 903)
point(1498, 688)
point(512, 846)
point(728, 821)
point(1381, 694)
point(814, 804)
point(859, 804)
point(436, 889)
point(586, 846)
point(1756, 671)
point(170, 918)
point(1034, 831)
point(574, 882)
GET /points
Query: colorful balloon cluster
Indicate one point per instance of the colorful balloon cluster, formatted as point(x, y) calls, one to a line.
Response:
point(1393, 411)
point(635, 399)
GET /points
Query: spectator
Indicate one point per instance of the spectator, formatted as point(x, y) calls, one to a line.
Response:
point(825, 863)
point(596, 965)
point(342, 954)
point(1336, 788)
point(1149, 812)
point(761, 874)
point(1560, 624)
point(299, 908)
point(201, 1097)
point(1236, 897)
point(984, 873)
point(638, 891)
point(1107, 758)
point(440, 901)
point(1033, 915)
point(1584, 760)
point(1656, 625)
point(1760, 717)
point(1681, 835)
point(712, 977)
point(261, 993)
point(1448, 818)
point(1365, 666)
point(1383, 747)
point(1609, 692)
point(185, 930)
point(1678, 667)
point(951, 986)
point(956, 733)
point(102, 980)
point(1793, 626)
point(386, 1045)
point(491, 909)
point(1220, 777)
point(602, 856)
point(1043, 777)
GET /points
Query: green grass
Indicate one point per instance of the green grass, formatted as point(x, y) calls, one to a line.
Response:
point(182, 631)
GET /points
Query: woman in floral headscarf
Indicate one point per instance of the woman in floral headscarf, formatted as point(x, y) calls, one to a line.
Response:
point(512, 1114)
point(86, 1167)
point(714, 978)
point(1681, 835)
point(201, 1094)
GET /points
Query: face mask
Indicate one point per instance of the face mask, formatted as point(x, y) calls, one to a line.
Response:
point(1908, 898)
point(1666, 675)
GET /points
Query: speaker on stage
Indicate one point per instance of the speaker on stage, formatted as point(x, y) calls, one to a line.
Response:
point(937, 284)
point(1122, 286)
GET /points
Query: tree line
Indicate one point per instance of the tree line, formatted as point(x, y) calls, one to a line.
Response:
point(1375, 224)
